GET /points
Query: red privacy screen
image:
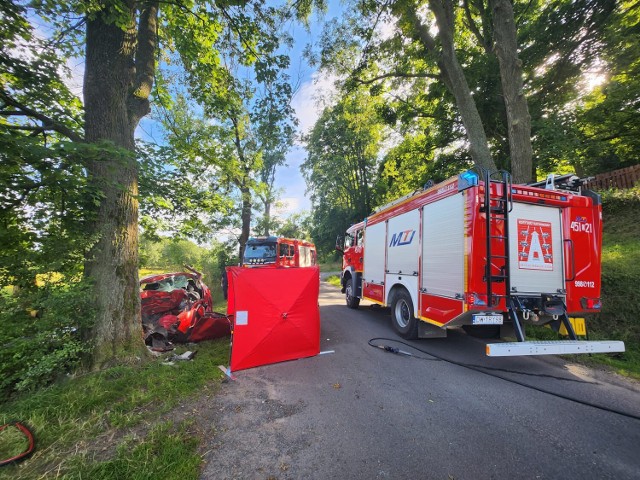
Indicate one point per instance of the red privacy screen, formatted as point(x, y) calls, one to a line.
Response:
point(275, 314)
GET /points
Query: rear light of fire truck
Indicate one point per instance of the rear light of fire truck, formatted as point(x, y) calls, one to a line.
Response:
point(591, 303)
point(476, 300)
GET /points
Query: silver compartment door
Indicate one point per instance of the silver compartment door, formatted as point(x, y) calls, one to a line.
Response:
point(536, 253)
point(443, 247)
point(374, 249)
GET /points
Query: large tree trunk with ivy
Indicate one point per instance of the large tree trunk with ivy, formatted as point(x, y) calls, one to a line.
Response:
point(518, 118)
point(452, 74)
point(118, 80)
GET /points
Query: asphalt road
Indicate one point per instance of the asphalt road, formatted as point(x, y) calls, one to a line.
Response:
point(363, 413)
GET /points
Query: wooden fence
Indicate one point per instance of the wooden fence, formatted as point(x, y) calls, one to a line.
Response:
point(623, 178)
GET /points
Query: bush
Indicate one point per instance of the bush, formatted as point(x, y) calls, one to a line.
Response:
point(620, 272)
point(44, 335)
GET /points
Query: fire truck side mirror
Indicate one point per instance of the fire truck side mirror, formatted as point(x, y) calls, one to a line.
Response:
point(340, 243)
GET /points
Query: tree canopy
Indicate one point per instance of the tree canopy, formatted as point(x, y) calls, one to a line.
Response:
point(530, 87)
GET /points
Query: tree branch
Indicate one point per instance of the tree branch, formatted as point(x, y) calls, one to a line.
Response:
point(474, 28)
point(12, 113)
point(396, 75)
point(145, 61)
point(47, 121)
point(30, 128)
point(419, 112)
point(234, 27)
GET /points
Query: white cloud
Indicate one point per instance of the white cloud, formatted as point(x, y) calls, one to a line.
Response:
point(287, 206)
point(386, 28)
point(312, 97)
point(75, 77)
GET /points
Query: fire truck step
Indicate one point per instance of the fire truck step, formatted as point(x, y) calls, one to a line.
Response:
point(552, 347)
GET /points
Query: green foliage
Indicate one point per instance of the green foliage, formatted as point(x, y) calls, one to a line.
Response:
point(565, 46)
point(44, 335)
point(297, 225)
point(46, 208)
point(609, 119)
point(578, 127)
point(171, 255)
point(343, 149)
point(79, 423)
point(45, 205)
point(177, 195)
point(409, 165)
point(333, 280)
point(620, 273)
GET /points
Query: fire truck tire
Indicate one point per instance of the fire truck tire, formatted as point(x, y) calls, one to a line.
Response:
point(352, 301)
point(482, 331)
point(404, 322)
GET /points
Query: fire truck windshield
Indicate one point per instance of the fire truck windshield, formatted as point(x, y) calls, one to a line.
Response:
point(262, 253)
point(348, 241)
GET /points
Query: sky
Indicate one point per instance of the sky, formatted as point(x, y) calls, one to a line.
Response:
point(289, 179)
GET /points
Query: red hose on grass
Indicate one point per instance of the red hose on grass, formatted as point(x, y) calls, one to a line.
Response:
point(27, 433)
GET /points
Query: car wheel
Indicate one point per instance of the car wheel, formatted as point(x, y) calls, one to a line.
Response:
point(402, 318)
point(352, 300)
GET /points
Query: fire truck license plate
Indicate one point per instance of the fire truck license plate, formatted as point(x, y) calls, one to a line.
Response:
point(487, 319)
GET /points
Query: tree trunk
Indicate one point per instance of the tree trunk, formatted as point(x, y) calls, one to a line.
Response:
point(245, 217)
point(453, 76)
point(518, 118)
point(267, 214)
point(115, 84)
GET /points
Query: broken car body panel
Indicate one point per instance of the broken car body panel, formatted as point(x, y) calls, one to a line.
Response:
point(177, 307)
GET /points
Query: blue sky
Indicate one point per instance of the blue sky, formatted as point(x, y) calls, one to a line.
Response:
point(289, 178)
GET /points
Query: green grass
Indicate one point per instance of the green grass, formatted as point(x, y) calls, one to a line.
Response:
point(167, 452)
point(333, 280)
point(73, 420)
point(620, 316)
point(331, 266)
point(219, 303)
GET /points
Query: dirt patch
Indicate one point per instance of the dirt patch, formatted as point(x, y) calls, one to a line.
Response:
point(252, 435)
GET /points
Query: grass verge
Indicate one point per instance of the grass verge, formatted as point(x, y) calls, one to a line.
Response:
point(331, 266)
point(333, 280)
point(78, 422)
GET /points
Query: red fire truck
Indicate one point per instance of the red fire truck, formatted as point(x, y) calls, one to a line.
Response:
point(278, 252)
point(480, 252)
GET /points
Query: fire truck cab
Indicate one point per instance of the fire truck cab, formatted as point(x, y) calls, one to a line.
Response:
point(278, 252)
point(480, 252)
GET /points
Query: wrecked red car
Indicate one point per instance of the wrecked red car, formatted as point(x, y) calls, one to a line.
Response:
point(177, 307)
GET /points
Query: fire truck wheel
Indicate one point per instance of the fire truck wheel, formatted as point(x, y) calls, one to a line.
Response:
point(402, 318)
point(352, 301)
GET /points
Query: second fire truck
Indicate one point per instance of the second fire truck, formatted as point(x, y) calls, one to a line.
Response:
point(278, 252)
point(480, 252)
